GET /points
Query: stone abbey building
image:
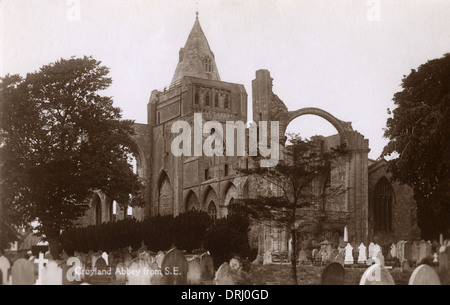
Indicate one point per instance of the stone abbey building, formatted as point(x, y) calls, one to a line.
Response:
point(373, 208)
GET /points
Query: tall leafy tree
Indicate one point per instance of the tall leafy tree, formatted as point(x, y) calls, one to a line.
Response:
point(419, 133)
point(290, 200)
point(62, 140)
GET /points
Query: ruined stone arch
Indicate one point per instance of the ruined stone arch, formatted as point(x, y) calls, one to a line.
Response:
point(341, 126)
point(139, 154)
point(191, 202)
point(165, 195)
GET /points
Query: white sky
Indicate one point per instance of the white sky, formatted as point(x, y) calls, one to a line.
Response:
point(324, 54)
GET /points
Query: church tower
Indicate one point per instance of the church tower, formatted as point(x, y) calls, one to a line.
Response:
point(196, 58)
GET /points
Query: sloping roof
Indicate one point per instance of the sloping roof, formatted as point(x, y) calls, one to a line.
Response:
point(193, 56)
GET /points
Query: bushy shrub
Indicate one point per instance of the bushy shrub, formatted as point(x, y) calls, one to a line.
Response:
point(186, 231)
point(229, 238)
point(189, 230)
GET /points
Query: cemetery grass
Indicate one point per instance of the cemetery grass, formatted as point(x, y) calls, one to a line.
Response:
point(310, 275)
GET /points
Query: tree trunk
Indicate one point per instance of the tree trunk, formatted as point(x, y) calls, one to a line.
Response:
point(294, 257)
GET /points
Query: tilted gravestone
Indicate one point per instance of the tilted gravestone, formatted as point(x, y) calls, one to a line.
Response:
point(102, 271)
point(52, 274)
point(376, 275)
point(194, 272)
point(225, 276)
point(174, 268)
point(4, 269)
point(22, 272)
point(206, 267)
point(333, 274)
point(159, 258)
point(424, 275)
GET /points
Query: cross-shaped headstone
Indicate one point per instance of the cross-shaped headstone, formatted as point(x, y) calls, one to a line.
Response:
point(40, 261)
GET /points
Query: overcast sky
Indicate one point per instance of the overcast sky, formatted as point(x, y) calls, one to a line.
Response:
point(327, 54)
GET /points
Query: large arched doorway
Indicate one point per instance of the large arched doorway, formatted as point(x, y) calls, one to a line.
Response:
point(210, 202)
point(230, 195)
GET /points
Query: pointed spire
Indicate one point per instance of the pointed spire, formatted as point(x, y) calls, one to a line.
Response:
point(196, 58)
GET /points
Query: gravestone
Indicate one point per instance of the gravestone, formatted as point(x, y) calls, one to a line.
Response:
point(415, 251)
point(105, 256)
point(302, 256)
point(362, 258)
point(348, 255)
point(376, 250)
point(206, 267)
point(1, 277)
point(22, 272)
point(48, 255)
point(224, 275)
point(380, 259)
point(334, 255)
point(407, 251)
point(424, 275)
point(400, 250)
point(121, 272)
point(52, 274)
point(177, 266)
point(267, 258)
point(371, 246)
point(435, 258)
point(333, 274)
point(194, 272)
point(159, 258)
point(127, 259)
point(64, 256)
point(340, 259)
point(376, 275)
point(422, 251)
point(429, 252)
point(393, 250)
point(315, 254)
point(4, 268)
point(404, 264)
point(443, 259)
point(94, 258)
point(139, 272)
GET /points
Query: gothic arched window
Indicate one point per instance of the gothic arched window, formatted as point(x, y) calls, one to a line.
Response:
point(98, 210)
point(383, 198)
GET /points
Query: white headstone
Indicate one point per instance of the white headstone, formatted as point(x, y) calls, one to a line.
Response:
point(194, 272)
point(4, 267)
point(376, 275)
point(267, 258)
point(424, 275)
point(371, 246)
point(52, 274)
point(376, 250)
point(348, 260)
point(40, 261)
point(105, 257)
point(393, 250)
point(362, 258)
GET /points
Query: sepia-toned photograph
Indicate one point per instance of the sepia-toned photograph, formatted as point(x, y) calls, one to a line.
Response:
point(258, 143)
